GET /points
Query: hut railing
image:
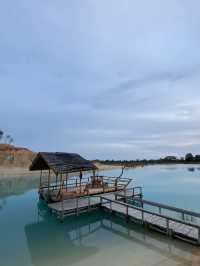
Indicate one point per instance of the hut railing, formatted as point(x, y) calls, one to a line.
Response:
point(106, 182)
point(70, 183)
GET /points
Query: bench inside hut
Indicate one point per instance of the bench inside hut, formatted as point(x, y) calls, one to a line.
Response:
point(62, 177)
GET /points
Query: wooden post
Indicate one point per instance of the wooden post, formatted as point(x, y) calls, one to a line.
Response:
point(66, 181)
point(167, 224)
point(77, 206)
point(88, 203)
point(62, 211)
point(60, 182)
point(126, 211)
point(115, 196)
point(81, 176)
point(40, 190)
point(198, 241)
point(142, 216)
point(49, 182)
point(56, 180)
point(93, 171)
point(40, 179)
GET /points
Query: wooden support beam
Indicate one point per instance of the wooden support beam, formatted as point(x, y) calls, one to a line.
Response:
point(199, 236)
point(49, 177)
point(40, 180)
point(66, 181)
point(56, 179)
point(81, 176)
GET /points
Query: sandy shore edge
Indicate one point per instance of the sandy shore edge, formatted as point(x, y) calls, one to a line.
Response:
point(6, 172)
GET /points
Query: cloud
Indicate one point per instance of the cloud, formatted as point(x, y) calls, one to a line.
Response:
point(105, 79)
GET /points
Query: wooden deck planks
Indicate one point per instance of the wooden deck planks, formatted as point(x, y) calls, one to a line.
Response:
point(155, 220)
point(71, 204)
point(165, 224)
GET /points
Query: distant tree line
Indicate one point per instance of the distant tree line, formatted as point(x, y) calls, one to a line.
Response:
point(189, 158)
point(5, 138)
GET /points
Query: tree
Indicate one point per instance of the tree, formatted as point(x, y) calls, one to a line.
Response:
point(197, 157)
point(7, 138)
point(189, 157)
point(1, 135)
point(11, 140)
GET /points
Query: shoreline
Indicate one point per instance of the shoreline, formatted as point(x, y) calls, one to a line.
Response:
point(17, 172)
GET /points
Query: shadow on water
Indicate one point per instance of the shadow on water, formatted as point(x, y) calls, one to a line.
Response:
point(53, 243)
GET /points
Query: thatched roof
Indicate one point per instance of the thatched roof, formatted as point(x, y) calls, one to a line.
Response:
point(61, 162)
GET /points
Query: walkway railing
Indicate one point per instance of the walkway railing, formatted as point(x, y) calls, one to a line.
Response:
point(161, 208)
point(144, 216)
point(130, 192)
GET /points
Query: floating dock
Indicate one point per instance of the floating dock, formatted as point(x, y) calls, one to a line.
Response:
point(182, 224)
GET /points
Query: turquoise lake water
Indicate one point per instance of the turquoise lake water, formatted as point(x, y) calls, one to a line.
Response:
point(29, 235)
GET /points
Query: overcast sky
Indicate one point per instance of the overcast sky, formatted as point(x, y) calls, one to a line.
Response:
point(107, 79)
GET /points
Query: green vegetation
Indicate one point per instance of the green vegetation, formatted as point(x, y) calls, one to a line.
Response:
point(188, 159)
point(5, 138)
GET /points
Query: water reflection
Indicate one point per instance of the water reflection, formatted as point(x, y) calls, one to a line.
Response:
point(17, 185)
point(191, 169)
point(53, 243)
point(78, 239)
point(2, 203)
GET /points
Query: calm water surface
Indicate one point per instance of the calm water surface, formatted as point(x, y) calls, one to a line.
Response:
point(30, 236)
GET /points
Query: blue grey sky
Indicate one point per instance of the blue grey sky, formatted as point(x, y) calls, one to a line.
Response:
point(106, 79)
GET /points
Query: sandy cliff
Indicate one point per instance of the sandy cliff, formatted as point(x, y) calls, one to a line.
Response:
point(11, 156)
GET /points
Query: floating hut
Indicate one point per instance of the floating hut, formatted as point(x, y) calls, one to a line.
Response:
point(62, 177)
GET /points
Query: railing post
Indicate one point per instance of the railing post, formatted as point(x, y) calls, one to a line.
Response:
point(110, 205)
point(142, 216)
point(167, 223)
point(115, 196)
